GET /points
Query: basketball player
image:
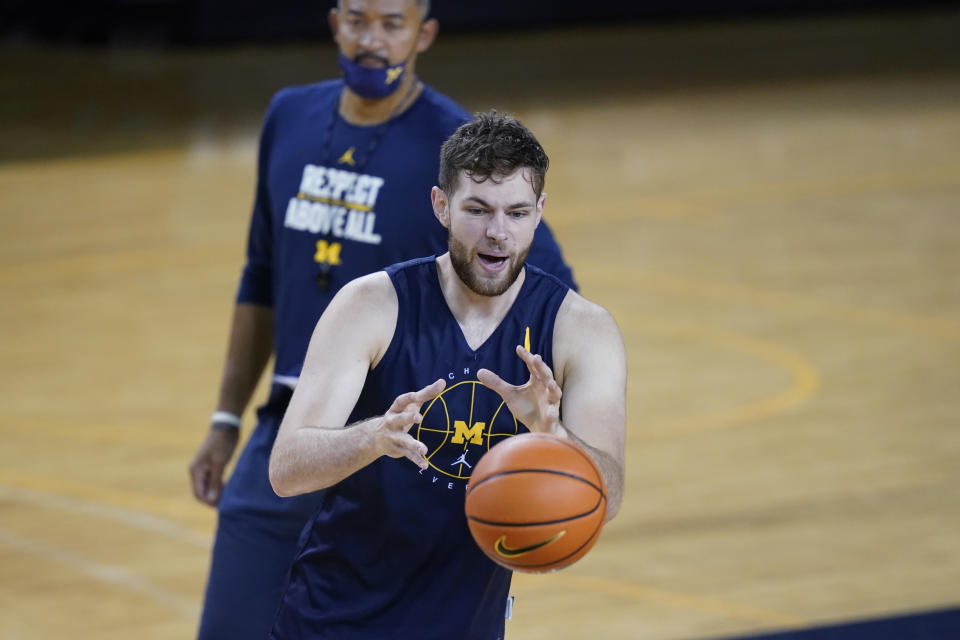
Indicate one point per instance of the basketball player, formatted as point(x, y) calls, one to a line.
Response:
point(345, 170)
point(389, 554)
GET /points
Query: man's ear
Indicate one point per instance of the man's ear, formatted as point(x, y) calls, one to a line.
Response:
point(428, 33)
point(541, 203)
point(440, 206)
point(333, 20)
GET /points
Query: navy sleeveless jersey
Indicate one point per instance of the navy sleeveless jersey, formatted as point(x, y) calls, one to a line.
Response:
point(389, 554)
point(348, 200)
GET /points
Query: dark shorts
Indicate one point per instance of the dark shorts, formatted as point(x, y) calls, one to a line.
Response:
point(256, 539)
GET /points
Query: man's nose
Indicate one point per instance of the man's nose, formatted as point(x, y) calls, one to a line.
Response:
point(371, 37)
point(497, 229)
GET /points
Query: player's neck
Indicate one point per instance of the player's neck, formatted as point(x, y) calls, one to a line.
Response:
point(477, 315)
point(365, 111)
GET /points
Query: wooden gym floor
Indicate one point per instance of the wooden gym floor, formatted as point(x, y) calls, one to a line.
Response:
point(771, 210)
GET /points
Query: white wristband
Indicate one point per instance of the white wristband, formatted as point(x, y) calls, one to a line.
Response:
point(225, 419)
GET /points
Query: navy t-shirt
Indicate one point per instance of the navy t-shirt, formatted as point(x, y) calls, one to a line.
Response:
point(389, 554)
point(335, 201)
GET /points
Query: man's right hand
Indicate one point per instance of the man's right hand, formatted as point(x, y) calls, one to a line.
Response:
point(391, 430)
point(206, 470)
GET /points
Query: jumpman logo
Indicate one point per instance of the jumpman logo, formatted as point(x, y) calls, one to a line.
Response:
point(462, 460)
point(347, 157)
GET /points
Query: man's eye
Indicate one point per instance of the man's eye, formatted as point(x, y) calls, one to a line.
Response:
point(518, 214)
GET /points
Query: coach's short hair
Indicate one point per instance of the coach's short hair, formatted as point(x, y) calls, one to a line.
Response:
point(492, 145)
point(423, 4)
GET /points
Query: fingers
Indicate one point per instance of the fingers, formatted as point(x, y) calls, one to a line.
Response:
point(405, 410)
point(214, 486)
point(198, 482)
point(401, 421)
point(538, 368)
point(430, 391)
point(540, 373)
point(416, 452)
point(206, 470)
point(206, 483)
point(416, 398)
point(399, 443)
point(403, 414)
point(495, 382)
point(540, 376)
point(433, 390)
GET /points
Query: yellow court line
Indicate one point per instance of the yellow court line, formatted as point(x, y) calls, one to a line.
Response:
point(636, 592)
point(941, 328)
point(114, 575)
point(121, 577)
point(761, 193)
point(136, 509)
point(703, 205)
point(148, 433)
point(805, 380)
point(112, 259)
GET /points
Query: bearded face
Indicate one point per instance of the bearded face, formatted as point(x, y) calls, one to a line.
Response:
point(491, 223)
point(487, 271)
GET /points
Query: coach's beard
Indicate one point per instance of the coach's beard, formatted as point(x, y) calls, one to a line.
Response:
point(461, 257)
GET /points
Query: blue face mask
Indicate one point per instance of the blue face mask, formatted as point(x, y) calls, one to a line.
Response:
point(372, 82)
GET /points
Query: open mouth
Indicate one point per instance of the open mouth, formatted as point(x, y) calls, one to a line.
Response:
point(492, 262)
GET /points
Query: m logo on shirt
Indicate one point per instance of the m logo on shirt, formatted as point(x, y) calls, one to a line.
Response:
point(462, 433)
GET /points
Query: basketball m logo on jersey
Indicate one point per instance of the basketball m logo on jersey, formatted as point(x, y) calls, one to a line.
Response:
point(467, 414)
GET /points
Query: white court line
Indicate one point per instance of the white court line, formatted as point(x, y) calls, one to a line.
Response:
point(186, 607)
point(129, 517)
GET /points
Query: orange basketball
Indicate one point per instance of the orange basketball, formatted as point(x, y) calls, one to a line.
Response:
point(536, 503)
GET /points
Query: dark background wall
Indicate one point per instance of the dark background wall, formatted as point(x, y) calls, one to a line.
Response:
point(163, 22)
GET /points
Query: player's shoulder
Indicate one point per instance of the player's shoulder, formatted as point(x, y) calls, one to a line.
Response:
point(443, 112)
point(369, 290)
point(362, 314)
point(307, 92)
point(303, 96)
point(410, 277)
point(413, 266)
point(366, 304)
point(580, 316)
point(585, 333)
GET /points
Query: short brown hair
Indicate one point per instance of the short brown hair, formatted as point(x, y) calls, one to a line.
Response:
point(489, 146)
